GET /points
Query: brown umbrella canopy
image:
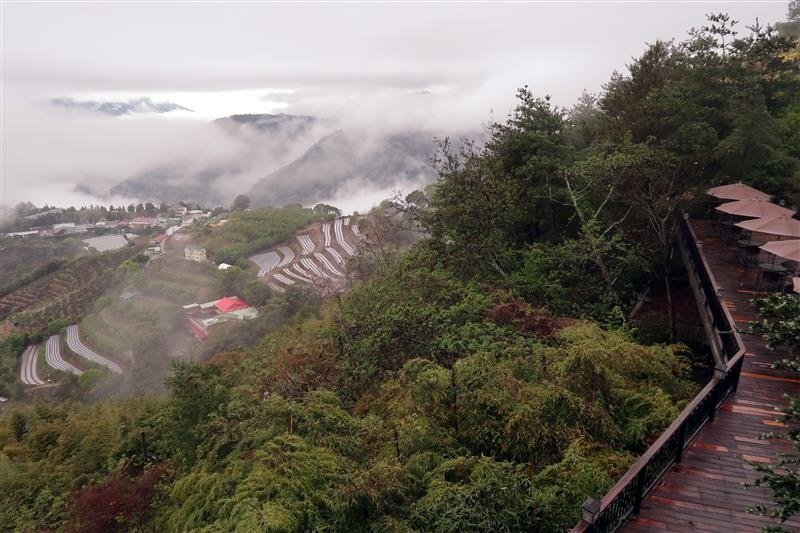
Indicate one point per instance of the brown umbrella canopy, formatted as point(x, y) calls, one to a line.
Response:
point(754, 209)
point(738, 191)
point(785, 226)
point(786, 249)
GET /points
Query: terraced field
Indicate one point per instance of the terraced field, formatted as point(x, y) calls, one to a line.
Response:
point(77, 347)
point(316, 254)
point(68, 291)
point(121, 328)
point(28, 372)
point(56, 360)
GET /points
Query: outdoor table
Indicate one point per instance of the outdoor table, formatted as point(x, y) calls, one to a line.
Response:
point(772, 270)
point(748, 243)
point(749, 250)
point(728, 230)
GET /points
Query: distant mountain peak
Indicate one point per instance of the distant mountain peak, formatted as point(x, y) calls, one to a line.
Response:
point(140, 105)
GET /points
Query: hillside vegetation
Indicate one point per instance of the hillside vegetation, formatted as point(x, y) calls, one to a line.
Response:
point(484, 380)
point(25, 260)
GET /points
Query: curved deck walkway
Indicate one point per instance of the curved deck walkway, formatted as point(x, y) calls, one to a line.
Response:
point(704, 492)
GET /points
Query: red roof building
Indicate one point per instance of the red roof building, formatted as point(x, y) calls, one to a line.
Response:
point(199, 317)
point(230, 303)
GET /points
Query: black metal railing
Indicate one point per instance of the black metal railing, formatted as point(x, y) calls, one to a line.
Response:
point(625, 497)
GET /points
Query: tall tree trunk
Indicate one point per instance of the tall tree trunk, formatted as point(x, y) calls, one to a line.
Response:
point(595, 252)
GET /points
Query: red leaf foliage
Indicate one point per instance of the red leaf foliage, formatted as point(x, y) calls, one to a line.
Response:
point(526, 319)
point(120, 503)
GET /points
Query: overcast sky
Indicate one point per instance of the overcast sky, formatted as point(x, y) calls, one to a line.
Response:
point(425, 64)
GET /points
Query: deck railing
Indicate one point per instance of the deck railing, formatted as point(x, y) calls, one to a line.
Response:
point(625, 497)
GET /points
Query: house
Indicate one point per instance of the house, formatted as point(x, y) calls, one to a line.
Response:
point(224, 266)
point(195, 253)
point(178, 210)
point(83, 228)
point(22, 234)
point(200, 317)
point(157, 246)
point(106, 224)
point(63, 228)
point(142, 222)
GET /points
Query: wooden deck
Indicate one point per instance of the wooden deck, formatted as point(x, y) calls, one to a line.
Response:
point(704, 492)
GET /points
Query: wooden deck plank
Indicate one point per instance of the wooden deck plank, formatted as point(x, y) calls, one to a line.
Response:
point(705, 492)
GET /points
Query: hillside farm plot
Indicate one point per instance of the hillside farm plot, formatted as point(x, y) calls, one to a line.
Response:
point(180, 282)
point(316, 253)
point(283, 279)
point(275, 287)
point(265, 261)
point(341, 241)
point(333, 253)
point(54, 358)
point(288, 256)
point(327, 264)
point(298, 277)
point(306, 243)
point(80, 277)
point(77, 347)
point(326, 234)
point(27, 370)
point(313, 267)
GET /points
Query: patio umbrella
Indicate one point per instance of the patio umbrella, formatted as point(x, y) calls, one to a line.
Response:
point(783, 226)
point(754, 209)
point(738, 191)
point(786, 249)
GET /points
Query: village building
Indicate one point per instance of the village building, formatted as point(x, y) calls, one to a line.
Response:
point(22, 234)
point(83, 228)
point(201, 317)
point(63, 228)
point(193, 252)
point(106, 224)
point(157, 246)
point(142, 223)
point(224, 266)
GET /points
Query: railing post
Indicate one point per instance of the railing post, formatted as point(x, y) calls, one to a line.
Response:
point(681, 441)
point(639, 492)
point(589, 511)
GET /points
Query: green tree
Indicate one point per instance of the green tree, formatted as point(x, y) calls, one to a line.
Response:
point(241, 203)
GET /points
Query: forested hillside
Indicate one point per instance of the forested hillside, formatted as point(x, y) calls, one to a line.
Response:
point(486, 379)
